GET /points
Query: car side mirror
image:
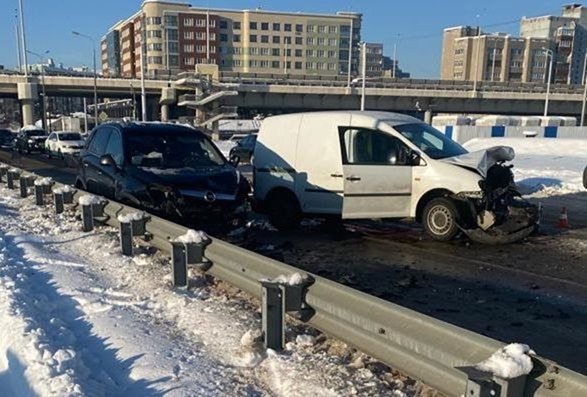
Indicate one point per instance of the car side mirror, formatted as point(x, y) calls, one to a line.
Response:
point(234, 160)
point(108, 160)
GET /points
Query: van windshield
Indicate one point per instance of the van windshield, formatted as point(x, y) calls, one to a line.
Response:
point(431, 141)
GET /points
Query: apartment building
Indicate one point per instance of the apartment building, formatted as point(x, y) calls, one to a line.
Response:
point(177, 36)
point(470, 54)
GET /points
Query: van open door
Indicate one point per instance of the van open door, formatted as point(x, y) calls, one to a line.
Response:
point(377, 174)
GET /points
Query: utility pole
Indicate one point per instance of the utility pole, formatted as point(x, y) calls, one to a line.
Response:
point(143, 69)
point(364, 73)
point(584, 91)
point(44, 104)
point(394, 63)
point(549, 53)
point(93, 42)
point(477, 55)
point(350, 54)
point(18, 50)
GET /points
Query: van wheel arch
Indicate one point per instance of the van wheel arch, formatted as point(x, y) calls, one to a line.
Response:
point(426, 198)
point(283, 208)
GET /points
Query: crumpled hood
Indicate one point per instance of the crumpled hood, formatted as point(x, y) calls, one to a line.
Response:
point(482, 160)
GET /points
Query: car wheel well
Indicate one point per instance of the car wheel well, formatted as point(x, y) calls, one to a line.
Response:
point(79, 184)
point(426, 198)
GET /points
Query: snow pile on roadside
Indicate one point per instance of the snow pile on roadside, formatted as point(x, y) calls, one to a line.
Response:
point(509, 362)
point(43, 182)
point(543, 166)
point(63, 189)
point(292, 279)
point(192, 237)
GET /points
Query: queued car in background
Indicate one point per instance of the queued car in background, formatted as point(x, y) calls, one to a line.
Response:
point(244, 149)
point(173, 171)
point(61, 143)
point(30, 139)
point(6, 139)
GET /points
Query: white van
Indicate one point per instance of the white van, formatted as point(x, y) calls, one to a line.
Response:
point(356, 165)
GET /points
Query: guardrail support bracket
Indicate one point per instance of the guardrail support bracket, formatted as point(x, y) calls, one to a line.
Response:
point(39, 195)
point(10, 177)
point(182, 255)
point(485, 384)
point(59, 200)
point(24, 187)
point(87, 218)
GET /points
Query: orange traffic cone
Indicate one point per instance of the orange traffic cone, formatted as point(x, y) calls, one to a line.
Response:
point(563, 220)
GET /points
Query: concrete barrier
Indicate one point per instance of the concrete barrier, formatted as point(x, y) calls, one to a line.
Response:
point(464, 133)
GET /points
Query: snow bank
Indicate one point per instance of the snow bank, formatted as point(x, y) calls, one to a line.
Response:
point(305, 340)
point(89, 199)
point(543, 166)
point(192, 237)
point(131, 216)
point(509, 362)
point(15, 170)
point(44, 182)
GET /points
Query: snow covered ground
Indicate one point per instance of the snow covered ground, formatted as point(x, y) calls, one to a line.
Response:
point(543, 166)
point(79, 319)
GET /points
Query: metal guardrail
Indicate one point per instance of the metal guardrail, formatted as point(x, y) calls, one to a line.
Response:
point(419, 346)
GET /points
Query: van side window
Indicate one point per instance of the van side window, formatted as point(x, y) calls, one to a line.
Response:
point(361, 146)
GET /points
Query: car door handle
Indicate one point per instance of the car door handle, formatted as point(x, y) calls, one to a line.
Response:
point(353, 178)
point(337, 175)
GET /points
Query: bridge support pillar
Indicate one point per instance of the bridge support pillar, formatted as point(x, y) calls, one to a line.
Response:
point(167, 99)
point(428, 117)
point(27, 94)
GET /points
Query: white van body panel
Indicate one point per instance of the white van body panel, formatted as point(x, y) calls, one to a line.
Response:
point(302, 152)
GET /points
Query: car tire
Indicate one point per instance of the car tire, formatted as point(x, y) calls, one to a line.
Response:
point(60, 155)
point(283, 210)
point(440, 219)
point(585, 178)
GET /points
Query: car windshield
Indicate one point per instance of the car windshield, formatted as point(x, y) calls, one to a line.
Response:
point(36, 133)
point(171, 149)
point(70, 136)
point(431, 141)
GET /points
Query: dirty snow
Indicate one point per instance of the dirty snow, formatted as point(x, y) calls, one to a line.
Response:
point(543, 166)
point(131, 216)
point(63, 189)
point(43, 182)
point(88, 199)
point(78, 318)
point(509, 362)
point(192, 237)
point(292, 279)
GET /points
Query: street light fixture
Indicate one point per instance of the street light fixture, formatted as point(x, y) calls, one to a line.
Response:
point(548, 53)
point(42, 60)
point(95, 73)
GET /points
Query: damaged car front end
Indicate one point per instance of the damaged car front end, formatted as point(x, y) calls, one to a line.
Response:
point(497, 213)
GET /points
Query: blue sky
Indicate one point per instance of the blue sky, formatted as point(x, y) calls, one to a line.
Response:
point(417, 26)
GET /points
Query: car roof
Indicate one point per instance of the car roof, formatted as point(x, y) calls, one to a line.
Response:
point(390, 118)
point(155, 127)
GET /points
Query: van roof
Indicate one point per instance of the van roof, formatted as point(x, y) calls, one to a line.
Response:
point(390, 118)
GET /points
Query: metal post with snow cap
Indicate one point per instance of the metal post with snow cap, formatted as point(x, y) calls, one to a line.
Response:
point(42, 187)
point(92, 206)
point(132, 224)
point(61, 196)
point(187, 249)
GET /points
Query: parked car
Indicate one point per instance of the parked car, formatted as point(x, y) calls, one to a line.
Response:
point(30, 139)
point(61, 143)
point(363, 165)
point(170, 170)
point(244, 149)
point(6, 139)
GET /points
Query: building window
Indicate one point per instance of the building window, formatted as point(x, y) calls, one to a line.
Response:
point(223, 24)
point(188, 22)
point(254, 51)
point(172, 34)
point(276, 27)
point(212, 23)
point(321, 29)
point(188, 48)
point(253, 38)
point(155, 60)
point(200, 49)
point(310, 65)
point(287, 27)
point(299, 28)
point(154, 47)
point(275, 64)
point(173, 46)
point(223, 37)
point(332, 42)
point(276, 40)
point(237, 63)
point(264, 64)
point(189, 61)
point(299, 53)
point(173, 60)
point(154, 33)
point(264, 51)
point(310, 40)
point(321, 41)
point(236, 25)
point(253, 25)
point(332, 29)
point(310, 53)
point(213, 49)
point(264, 25)
point(200, 35)
point(275, 52)
point(287, 40)
point(201, 23)
point(188, 35)
point(331, 54)
point(170, 20)
point(299, 41)
point(298, 65)
point(212, 36)
point(287, 52)
point(236, 38)
point(311, 28)
point(153, 20)
point(264, 39)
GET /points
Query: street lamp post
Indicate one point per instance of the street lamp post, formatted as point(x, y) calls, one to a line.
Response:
point(477, 51)
point(23, 39)
point(584, 91)
point(363, 73)
point(42, 60)
point(95, 73)
point(550, 54)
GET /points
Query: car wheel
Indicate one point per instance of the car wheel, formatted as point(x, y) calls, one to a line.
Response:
point(585, 178)
point(60, 155)
point(283, 210)
point(440, 219)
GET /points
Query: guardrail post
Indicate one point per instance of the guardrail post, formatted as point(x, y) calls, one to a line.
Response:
point(179, 264)
point(126, 238)
point(58, 199)
point(273, 313)
point(10, 176)
point(24, 187)
point(87, 218)
point(3, 171)
point(39, 195)
point(485, 384)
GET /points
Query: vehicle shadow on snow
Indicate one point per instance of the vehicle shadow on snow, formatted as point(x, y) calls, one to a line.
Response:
point(97, 366)
point(12, 380)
